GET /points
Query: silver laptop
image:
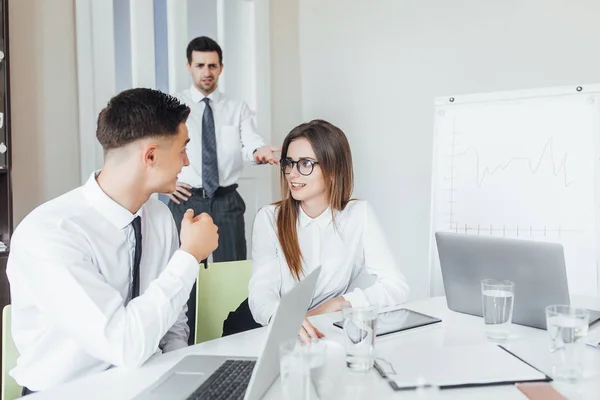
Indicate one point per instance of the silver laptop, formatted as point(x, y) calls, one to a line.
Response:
point(210, 377)
point(537, 269)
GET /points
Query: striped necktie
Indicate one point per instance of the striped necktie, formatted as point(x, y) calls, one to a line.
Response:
point(210, 170)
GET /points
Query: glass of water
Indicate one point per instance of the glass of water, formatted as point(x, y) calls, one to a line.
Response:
point(359, 336)
point(567, 326)
point(294, 366)
point(310, 371)
point(498, 299)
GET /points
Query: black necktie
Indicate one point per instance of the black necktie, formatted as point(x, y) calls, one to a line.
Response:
point(137, 256)
point(210, 167)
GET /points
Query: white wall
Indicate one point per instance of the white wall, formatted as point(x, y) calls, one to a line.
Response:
point(286, 104)
point(45, 144)
point(374, 68)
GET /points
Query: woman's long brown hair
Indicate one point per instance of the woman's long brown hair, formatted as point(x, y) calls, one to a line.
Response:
point(333, 153)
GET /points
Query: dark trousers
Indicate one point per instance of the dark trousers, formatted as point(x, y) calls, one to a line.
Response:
point(240, 320)
point(227, 211)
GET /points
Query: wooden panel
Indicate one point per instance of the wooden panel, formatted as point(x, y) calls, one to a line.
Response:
point(4, 288)
point(4, 86)
point(5, 208)
point(6, 217)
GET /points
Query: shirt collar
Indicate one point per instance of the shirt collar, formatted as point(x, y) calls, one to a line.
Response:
point(115, 213)
point(322, 220)
point(198, 96)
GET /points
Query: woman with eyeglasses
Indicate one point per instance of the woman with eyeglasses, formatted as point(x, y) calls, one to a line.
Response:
point(317, 224)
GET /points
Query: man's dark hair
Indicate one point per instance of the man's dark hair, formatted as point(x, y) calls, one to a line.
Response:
point(139, 113)
point(203, 43)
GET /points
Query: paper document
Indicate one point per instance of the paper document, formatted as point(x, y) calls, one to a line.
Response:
point(454, 366)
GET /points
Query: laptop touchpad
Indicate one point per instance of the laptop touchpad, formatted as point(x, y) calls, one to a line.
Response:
point(179, 383)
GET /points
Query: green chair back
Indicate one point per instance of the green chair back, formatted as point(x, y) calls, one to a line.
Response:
point(220, 289)
point(10, 389)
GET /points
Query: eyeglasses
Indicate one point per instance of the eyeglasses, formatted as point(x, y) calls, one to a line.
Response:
point(304, 166)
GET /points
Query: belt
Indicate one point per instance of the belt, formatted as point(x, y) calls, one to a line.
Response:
point(221, 191)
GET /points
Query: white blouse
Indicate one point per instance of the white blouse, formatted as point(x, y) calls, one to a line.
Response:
point(351, 245)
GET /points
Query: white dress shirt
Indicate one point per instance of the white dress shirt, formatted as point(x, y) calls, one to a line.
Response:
point(70, 272)
point(346, 248)
point(235, 129)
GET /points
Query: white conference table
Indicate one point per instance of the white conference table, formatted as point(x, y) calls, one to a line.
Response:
point(455, 330)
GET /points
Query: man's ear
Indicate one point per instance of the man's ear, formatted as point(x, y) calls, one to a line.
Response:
point(150, 154)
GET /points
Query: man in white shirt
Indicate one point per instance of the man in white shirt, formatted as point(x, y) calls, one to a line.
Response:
point(223, 133)
point(97, 275)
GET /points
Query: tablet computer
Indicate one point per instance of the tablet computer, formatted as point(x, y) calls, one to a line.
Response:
point(398, 320)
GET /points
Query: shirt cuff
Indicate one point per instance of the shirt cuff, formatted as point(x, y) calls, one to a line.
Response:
point(252, 160)
point(357, 298)
point(249, 149)
point(174, 344)
point(185, 265)
point(272, 313)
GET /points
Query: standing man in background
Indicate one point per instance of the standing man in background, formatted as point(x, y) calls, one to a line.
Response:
point(223, 134)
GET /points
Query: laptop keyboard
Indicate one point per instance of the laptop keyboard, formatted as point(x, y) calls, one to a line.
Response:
point(228, 382)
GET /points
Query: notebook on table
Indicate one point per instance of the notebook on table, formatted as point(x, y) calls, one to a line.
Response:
point(455, 367)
